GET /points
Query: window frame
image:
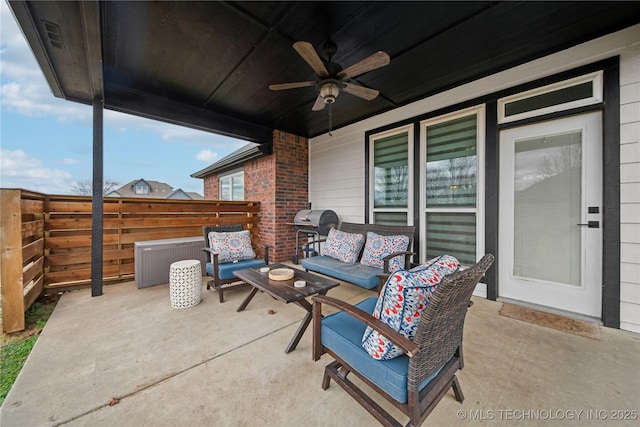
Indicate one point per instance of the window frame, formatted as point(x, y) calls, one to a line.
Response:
point(479, 210)
point(596, 78)
point(141, 189)
point(408, 210)
point(232, 176)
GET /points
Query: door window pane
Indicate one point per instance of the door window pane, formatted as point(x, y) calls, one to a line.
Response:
point(547, 200)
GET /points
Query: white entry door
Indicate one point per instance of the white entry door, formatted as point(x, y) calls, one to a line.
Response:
point(550, 231)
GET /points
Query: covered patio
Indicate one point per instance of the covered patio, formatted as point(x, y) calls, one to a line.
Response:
point(209, 365)
point(128, 358)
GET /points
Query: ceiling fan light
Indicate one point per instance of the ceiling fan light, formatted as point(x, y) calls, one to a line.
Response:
point(329, 92)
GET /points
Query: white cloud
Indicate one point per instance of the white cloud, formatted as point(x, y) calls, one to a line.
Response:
point(69, 161)
point(19, 170)
point(207, 156)
point(24, 90)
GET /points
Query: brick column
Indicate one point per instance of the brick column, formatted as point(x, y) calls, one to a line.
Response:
point(280, 183)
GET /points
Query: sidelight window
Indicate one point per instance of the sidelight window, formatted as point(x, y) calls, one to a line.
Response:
point(391, 178)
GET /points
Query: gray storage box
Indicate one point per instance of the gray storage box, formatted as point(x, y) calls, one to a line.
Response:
point(154, 257)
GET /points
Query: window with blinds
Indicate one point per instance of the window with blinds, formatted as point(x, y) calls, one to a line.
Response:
point(391, 176)
point(450, 187)
point(452, 163)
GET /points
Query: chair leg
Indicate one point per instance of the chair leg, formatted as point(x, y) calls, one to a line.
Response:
point(457, 390)
point(221, 293)
point(326, 379)
point(336, 371)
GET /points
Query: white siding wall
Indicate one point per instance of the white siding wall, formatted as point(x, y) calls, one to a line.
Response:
point(336, 163)
point(336, 175)
point(630, 189)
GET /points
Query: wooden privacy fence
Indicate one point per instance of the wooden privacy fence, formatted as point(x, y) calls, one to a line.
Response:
point(46, 239)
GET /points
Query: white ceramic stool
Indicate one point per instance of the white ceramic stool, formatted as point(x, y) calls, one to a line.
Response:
point(185, 283)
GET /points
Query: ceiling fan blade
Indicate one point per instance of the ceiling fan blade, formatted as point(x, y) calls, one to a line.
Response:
point(309, 54)
point(319, 104)
point(377, 60)
point(282, 86)
point(361, 91)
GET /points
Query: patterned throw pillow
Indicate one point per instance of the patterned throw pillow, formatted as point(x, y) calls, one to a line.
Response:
point(232, 246)
point(343, 246)
point(378, 247)
point(402, 300)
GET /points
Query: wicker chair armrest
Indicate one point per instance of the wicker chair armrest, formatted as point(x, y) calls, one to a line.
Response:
point(390, 257)
point(408, 346)
point(211, 252)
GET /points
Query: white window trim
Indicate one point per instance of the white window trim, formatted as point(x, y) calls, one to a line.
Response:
point(597, 97)
point(410, 191)
point(479, 210)
point(232, 176)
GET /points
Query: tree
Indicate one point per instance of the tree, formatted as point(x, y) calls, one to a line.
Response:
point(85, 187)
point(560, 159)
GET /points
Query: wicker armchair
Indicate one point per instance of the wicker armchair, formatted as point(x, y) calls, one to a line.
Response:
point(416, 381)
point(222, 273)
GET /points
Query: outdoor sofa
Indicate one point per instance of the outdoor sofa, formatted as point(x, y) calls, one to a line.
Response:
point(368, 261)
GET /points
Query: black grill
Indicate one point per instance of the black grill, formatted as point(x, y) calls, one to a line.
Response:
point(316, 221)
point(313, 223)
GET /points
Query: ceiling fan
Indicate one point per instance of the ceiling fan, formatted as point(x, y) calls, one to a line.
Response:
point(331, 76)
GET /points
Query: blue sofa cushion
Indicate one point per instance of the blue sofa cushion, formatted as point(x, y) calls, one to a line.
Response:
point(358, 274)
point(343, 335)
point(225, 270)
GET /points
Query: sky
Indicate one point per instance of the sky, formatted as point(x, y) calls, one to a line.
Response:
point(46, 143)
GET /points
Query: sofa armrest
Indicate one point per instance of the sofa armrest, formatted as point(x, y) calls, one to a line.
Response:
point(406, 254)
point(408, 346)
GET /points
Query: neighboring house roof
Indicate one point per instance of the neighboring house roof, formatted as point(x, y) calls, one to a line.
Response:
point(156, 190)
point(235, 159)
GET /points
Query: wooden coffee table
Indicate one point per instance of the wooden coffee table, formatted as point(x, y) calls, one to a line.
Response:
point(285, 291)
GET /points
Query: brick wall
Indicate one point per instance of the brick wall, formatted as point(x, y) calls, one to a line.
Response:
point(291, 192)
point(280, 183)
point(211, 187)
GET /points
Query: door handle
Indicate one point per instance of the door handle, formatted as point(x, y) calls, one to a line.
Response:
point(591, 224)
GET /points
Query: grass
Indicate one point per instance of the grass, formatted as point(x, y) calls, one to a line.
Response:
point(15, 348)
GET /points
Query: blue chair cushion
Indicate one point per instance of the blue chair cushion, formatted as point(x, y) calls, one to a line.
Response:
point(343, 335)
point(358, 274)
point(225, 270)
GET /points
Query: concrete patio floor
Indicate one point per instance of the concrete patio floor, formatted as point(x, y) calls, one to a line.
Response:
point(211, 366)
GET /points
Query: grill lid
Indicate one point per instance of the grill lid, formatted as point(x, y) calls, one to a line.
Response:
point(320, 221)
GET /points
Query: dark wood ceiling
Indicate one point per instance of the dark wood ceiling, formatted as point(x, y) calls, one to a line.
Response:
point(208, 65)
